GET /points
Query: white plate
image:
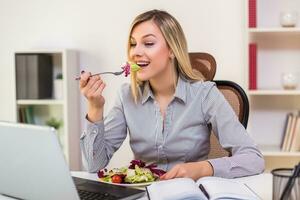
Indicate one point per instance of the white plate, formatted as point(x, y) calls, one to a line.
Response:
point(128, 184)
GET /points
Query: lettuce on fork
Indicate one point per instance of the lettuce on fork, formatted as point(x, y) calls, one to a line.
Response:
point(130, 67)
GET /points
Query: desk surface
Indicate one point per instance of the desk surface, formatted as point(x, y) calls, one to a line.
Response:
point(260, 184)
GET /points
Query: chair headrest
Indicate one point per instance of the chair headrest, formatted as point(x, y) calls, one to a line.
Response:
point(205, 63)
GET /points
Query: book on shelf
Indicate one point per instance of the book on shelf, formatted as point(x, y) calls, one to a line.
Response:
point(295, 141)
point(40, 76)
point(26, 115)
point(291, 135)
point(252, 13)
point(29, 114)
point(286, 130)
point(21, 115)
point(21, 76)
point(34, 76)
point(205, 188)
point(252, 66)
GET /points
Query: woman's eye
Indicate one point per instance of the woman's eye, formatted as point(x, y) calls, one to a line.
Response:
point(132, 44)
point(149, 44)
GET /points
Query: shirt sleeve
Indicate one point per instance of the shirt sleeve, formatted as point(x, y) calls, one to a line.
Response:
point(246, 159)
point(100, 140)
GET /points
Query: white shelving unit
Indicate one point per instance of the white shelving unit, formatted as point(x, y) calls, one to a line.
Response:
point(278, 51)
point(275, 151)
point(40, 102)
point(66, 109)
point(273, 92)
point(274, 30)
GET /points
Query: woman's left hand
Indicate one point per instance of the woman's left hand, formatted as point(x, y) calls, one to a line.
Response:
point(194, 170)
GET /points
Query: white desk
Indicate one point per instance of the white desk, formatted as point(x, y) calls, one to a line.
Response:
point(261, 184)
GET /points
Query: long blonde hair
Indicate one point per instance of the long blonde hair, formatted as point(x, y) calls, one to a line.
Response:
point(176, 41)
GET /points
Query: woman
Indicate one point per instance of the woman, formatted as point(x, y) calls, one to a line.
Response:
point(166, 110)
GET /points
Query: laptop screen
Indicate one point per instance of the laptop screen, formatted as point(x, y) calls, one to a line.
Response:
point(32, 164)
point(33, 167)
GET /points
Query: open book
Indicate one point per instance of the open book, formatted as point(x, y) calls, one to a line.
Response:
point(205, 188)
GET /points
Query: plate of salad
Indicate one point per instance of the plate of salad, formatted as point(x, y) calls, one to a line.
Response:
point(137, 174)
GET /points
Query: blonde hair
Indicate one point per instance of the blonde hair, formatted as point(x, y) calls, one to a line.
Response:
point(176, 41)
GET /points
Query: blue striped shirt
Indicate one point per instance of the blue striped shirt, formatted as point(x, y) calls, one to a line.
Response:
point(183, 136)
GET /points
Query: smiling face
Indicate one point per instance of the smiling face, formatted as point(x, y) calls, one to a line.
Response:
point(148, 48)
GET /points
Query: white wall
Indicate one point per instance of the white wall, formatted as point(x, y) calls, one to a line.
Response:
point(98, 30)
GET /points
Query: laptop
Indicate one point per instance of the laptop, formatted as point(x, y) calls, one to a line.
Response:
point(32, 166)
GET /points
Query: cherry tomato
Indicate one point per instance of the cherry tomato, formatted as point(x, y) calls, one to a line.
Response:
point(116, 179)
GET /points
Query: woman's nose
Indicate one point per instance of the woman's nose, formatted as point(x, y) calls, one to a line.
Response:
point(137, 51)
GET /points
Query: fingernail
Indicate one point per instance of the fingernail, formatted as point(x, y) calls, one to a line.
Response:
point(82, 72)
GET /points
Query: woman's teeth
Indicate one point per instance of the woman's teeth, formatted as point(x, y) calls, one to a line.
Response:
point(142, 64)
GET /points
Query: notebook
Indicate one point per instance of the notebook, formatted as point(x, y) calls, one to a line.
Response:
point(206, 188)
point(33, 167)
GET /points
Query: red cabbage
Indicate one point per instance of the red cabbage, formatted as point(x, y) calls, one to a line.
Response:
point(126, 69)
point(151, 167)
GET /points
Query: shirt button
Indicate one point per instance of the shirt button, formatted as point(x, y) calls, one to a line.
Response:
point(95, 131)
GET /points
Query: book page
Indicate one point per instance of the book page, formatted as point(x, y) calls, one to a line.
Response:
point(220, 188)
point(175, 189)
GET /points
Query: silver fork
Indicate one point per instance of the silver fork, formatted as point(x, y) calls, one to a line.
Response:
point(114, 73)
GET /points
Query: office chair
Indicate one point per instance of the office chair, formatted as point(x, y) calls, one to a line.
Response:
point(233, 93)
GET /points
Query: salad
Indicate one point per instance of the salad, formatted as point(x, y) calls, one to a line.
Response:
point(130, 67)
point(136, 172)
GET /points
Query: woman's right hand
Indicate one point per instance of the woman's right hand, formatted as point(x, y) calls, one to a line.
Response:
point(92, 87)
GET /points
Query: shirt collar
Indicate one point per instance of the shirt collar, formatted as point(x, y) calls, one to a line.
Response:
point(147, 92)
point(180, 92)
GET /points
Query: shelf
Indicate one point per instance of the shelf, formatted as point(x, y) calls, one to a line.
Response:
point(41, 51)
point(39, 102)
point(274, 92)
point(274, 30)
point(275, 151)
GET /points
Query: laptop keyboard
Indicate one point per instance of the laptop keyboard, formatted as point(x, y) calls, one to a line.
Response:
point(87, 195)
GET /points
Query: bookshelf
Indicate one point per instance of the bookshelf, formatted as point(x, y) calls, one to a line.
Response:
point(277, 52)
point(39, 110)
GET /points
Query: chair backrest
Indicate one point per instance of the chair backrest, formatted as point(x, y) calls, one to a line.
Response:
point(236, 97)
point(233, 93)
point(238, 100)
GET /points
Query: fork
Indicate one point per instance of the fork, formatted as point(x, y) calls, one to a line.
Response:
point(114, 73)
